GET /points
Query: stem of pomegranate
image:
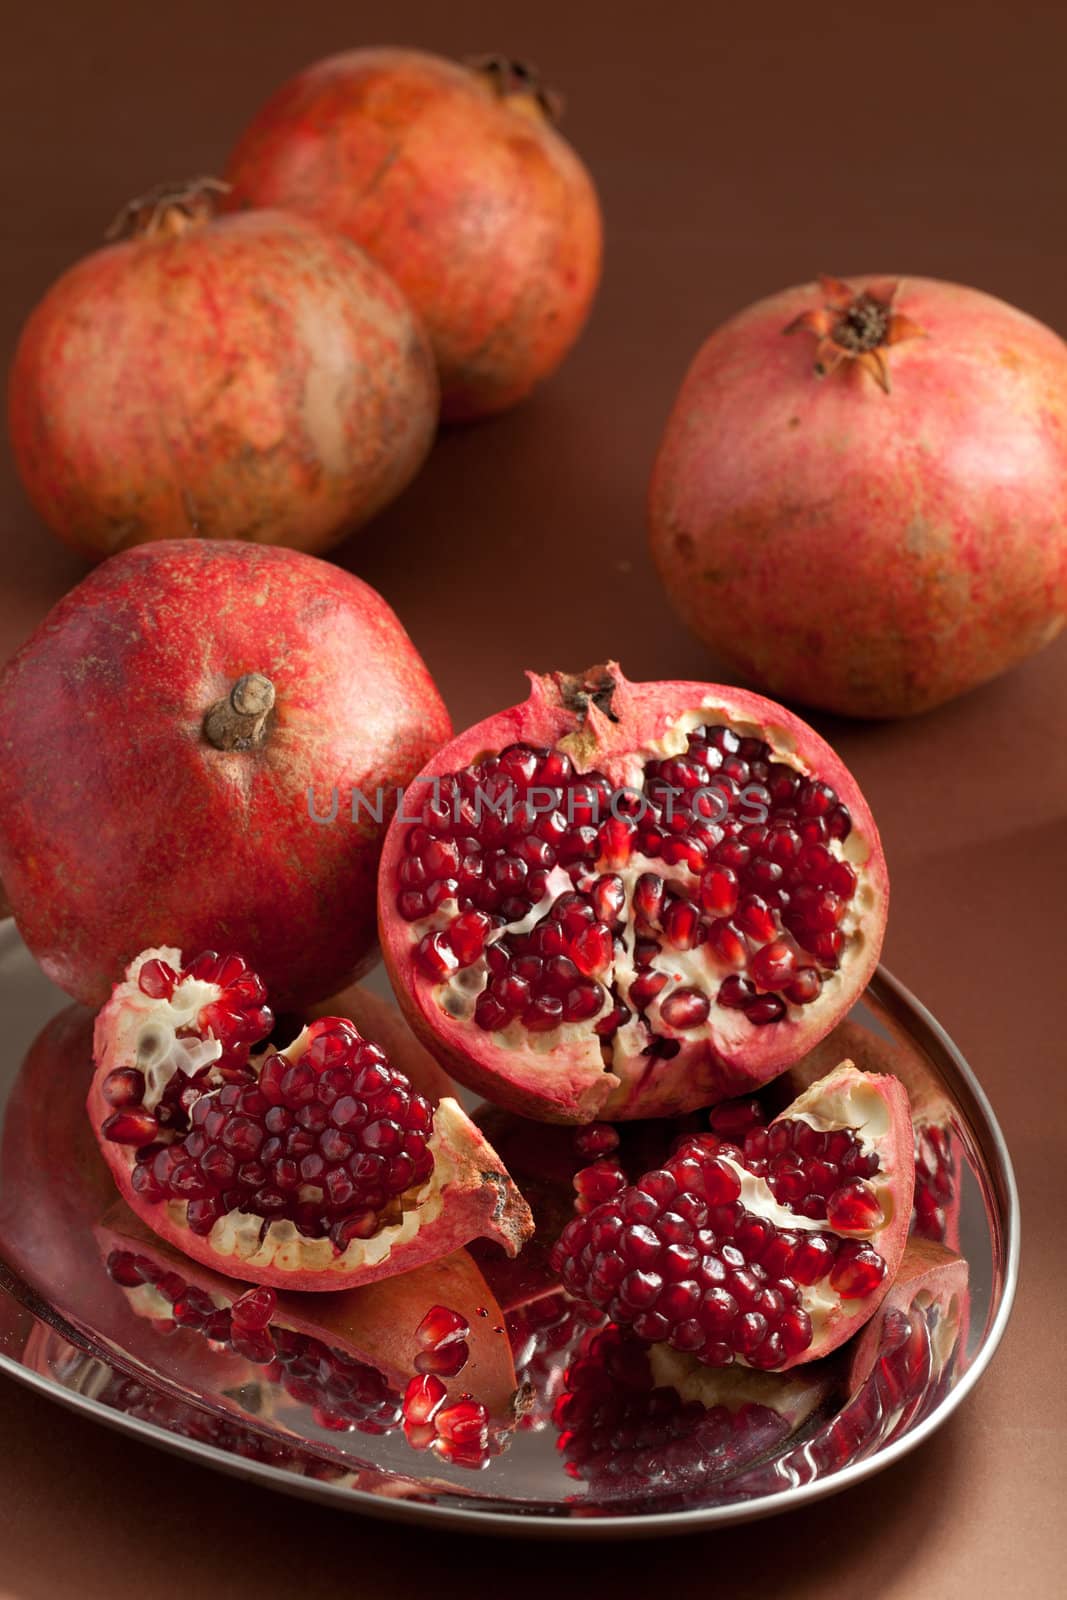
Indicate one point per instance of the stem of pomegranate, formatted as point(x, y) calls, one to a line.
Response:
point(169, 209)
point(241, 721)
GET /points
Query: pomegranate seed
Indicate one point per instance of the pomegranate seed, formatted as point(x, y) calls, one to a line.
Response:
point(858, 1273)
point(157, 979)
point(736, 993)
point(465, 1423)
point(726, 939)
point(645, 987)
point(609, 900)
point(598, 1182)
point(756, 918)
point(768, 1008)
point(135, 1127)
point(123, 1087)
point(685, 1008)
point(254, 1309)
point(436, 957)
point(774, 965)
point(854, 1208)
point(812, 1259)
point(805, 987)
point(680, 922)
point(423, 1399)
point(718, 891)
point(467, 935)
point(592, 950)
point(444, 1361)
point(736, 1117)
point(598, 1139)
point(649, 892)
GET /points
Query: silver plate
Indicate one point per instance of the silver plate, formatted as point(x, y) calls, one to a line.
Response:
point(66, 1328)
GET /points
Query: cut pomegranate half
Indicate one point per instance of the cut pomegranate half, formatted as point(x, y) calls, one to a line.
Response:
point(627, 900)
point(768, 1252)
point(315, 1167)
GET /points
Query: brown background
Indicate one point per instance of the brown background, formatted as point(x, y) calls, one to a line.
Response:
point(736, 151)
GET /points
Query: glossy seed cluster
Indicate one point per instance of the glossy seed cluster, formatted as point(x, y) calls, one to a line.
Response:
point(330, 1141)
point(751, 874)
point(814, 1172)
point(678, 1258)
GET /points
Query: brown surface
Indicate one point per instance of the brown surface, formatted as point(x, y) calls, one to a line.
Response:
point(733, 157)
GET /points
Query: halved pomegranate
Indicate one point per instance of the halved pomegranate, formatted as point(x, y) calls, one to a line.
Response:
point(768, 1252)
point(627, 900)
point(315, 1167)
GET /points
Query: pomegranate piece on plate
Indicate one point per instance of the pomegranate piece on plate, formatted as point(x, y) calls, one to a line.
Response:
point(766, 1253)
point(316, 1167)
point(627, 900)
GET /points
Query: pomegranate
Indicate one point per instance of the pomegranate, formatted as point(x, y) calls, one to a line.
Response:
point(203, 741)
point(626, 900)
point(766, 1253)
point(884, 539)
point(455, 179)
point(636, 1422)
point(316, 1167)
point(250, 377)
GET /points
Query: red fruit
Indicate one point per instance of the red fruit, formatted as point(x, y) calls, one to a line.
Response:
point(316, 1168)
point(754, 1270)
point(163, 781)
point(456, 181)
point(678, 1015)
point(887, 538)
point(250, 377)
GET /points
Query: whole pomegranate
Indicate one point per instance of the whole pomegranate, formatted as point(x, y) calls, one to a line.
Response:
point(248, 377)
point(203, 742)
point(454, 178)
point(630, 899)
point(870, 516)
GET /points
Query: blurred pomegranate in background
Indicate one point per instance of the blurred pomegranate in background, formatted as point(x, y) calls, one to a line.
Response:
point(245, 377)
point(891, 536)
point(454, 178)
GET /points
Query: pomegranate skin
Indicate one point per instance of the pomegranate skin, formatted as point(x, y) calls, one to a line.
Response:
point(872, 553)
point(458, 184)
point(121, 823)
point(250, 377)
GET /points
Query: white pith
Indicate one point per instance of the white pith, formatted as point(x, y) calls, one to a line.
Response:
point(146, 1030)
point(702, 968)
point(794, 1395)
point(946, 1329)
point(142, 1032)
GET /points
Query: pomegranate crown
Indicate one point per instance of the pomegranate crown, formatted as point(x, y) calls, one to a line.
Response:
point(856, 326)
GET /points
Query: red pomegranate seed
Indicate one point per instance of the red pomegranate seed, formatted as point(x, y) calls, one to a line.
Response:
point(857, 1273)
point(755, 918)
point(805, 987)
point(649, 893)
point(645, 987)
point(436, 957)
point(597, 1183)
point(440, 1326)
point(685, 1008)
point(445, 1361)
point(157, 979)
point(598, 1139)
point(736, 993)
point(592, 950)
point(423, 1399)
point(136, 1127)
point(467, 935)
point(718, 891)
point(854, 1208)
point(680, 922)
point(768, 1008)
point(608, 896)
point(735, 1117)
point(726, 939)
point(774, 965)
point(255, 1309)
point(123, 1087)
point(465, 1423)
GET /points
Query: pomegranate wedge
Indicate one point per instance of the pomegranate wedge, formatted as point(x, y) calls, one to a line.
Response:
point(628, 900)
point(770, 1252)
point(316, 1167)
